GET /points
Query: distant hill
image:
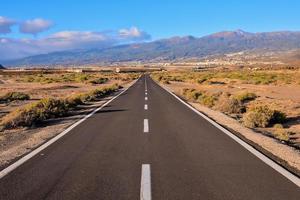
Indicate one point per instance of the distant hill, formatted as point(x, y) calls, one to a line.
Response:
point(172, 48)
point(1, 67)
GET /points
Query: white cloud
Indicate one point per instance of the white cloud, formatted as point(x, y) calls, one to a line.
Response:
point(134, 33)
point(6, 24)
point(35, 26)
point(68, 40)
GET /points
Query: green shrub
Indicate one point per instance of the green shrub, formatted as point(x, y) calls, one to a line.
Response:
point(262, 116)
point(245, 96)
point(12, 96)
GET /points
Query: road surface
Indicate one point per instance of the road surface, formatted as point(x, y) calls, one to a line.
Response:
point(146, 145)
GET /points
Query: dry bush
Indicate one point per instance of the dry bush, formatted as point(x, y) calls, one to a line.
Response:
point(166, 82)
point(208, 100)
point(13, 96)
point(100, 80)
point(262, 116)
point(280, 133)
point(35, 112)
point(191, 94)
point(229, 105)
point(245, 96)
point(200, 97)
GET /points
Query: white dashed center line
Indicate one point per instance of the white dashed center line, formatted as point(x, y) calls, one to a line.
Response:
point(146, 107)
point(146, 98)
point(146, 126)
point(145, 193)
point(145, 84)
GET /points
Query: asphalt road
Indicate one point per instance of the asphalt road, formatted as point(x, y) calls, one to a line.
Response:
point(162, 151)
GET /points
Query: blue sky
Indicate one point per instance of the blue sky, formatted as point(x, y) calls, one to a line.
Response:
point(157, 18)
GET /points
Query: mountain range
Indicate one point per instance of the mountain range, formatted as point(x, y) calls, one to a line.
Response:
point(171, 49)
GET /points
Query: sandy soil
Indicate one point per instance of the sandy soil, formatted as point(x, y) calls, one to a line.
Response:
point(284, 152)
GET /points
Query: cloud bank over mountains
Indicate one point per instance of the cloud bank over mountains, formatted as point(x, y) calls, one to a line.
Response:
point(12, 48)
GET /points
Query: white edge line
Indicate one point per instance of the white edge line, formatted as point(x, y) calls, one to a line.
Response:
point(145, 192)
point(293, 178)
point(25, 158)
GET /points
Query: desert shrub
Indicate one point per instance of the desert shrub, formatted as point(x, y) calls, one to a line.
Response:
point(50, 108)
point(280, 133)
point(278, 126)
point(91, 96)
point(201, 80)
point(176, 78)
point(35, 112)
point(203, 77)
point(74, 100)
point(262, 116)
point(12, 96)
point(191, 94)
point(82, 78)
point(157, 77)
point(198, 96)
point(99, 80)
point(99, 93)
point(166, 82)
point(245, 96)
point(208, 100)
point(230, 105)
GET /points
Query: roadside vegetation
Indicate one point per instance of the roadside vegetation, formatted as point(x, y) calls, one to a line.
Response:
point(244, 76)
point(14, 96)
point(48, 108)
point(72, 77)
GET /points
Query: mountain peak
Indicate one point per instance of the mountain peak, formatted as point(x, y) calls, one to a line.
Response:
point(241, 32)
point(228, 34)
